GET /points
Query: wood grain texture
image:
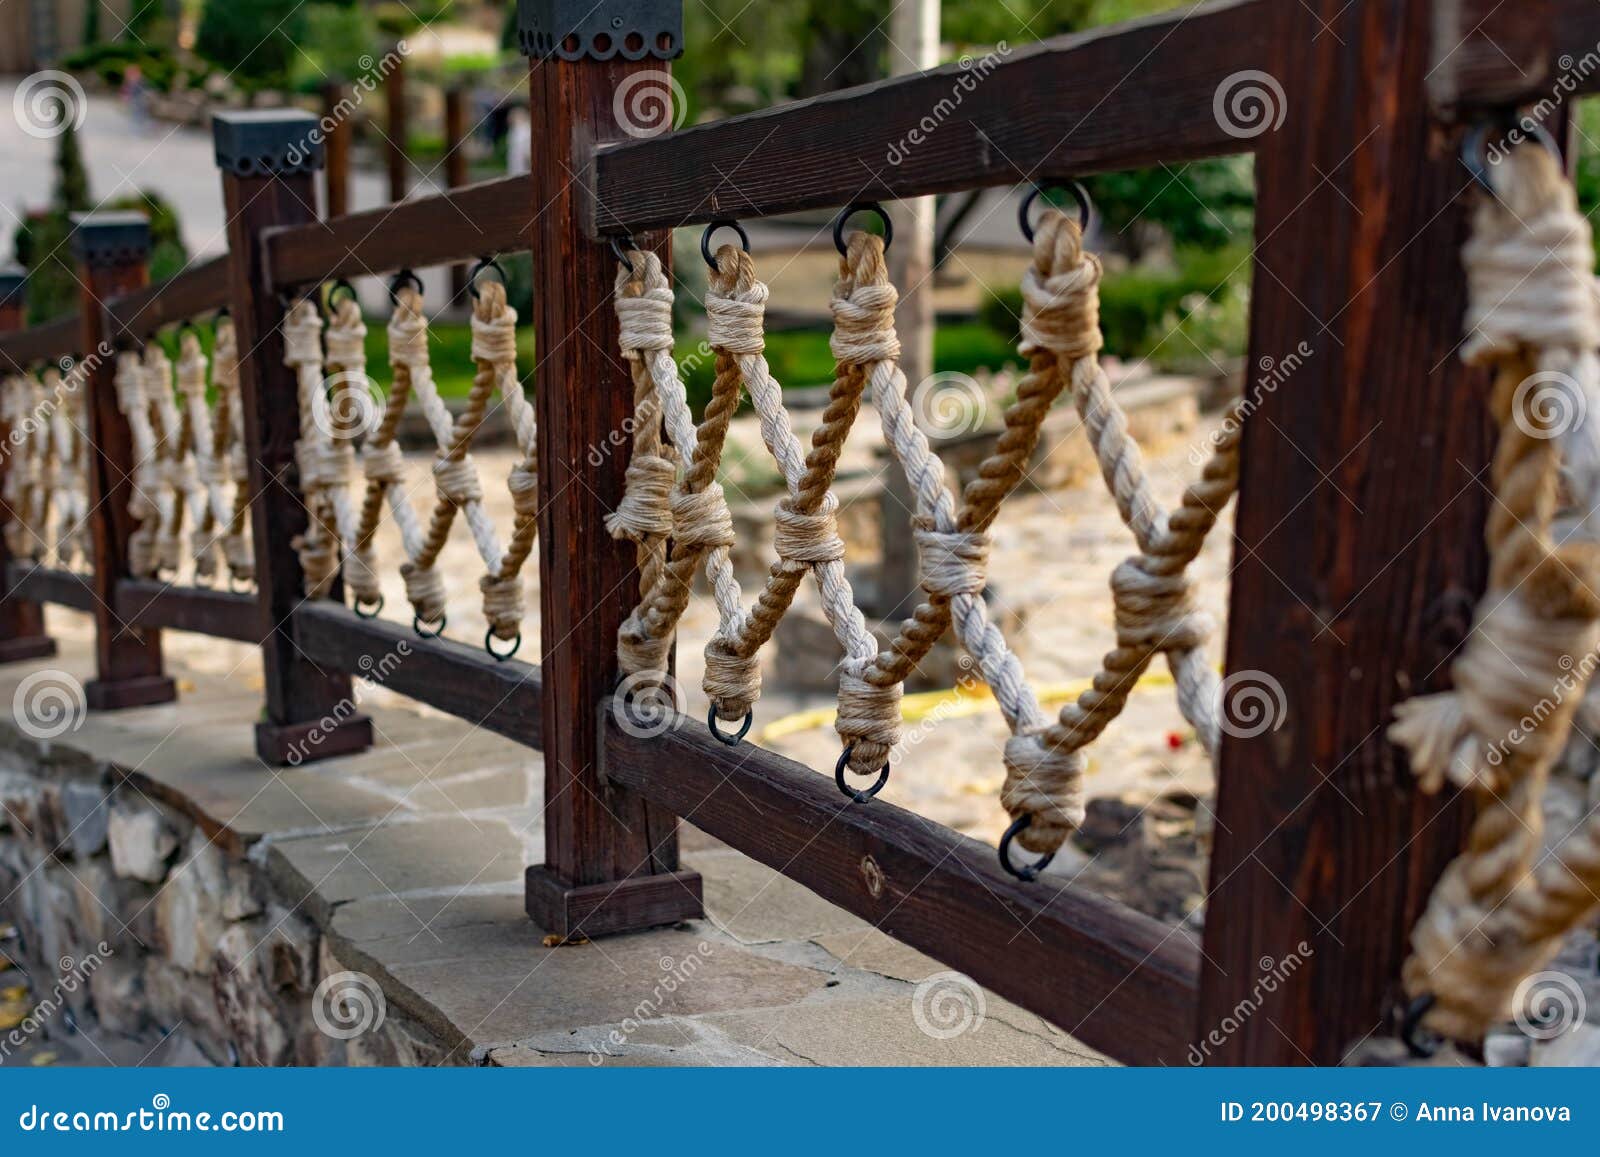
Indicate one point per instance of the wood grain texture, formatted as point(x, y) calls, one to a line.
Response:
point(1488, 54)
point(594, 834)
point(298, 690)
point(23, 348)
point(490, 217)
point(454, 678)
point(1359, 545)
point(127, 658)
point(1119, 97)
point(1113, 978)
point(220, 614)
point(199, 289)
point(336, 147)
point(44, 584)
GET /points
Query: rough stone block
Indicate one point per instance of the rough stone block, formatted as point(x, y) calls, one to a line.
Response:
point(142, 842)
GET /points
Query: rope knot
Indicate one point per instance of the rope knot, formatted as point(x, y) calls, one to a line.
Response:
point(1528, 264)
point(736, 304)
point(732, 681)
point(1157, 612)
point(953, 562)
point(868, 721)
point(457, 480)
point(701, 519)
point(494, 325)
point(524, 486)
point(1061, 292)
point(645, 510)
point(385, 463)
point(408, 331)
point(863, 325)
point(809, 538)
point(644, 305)
point(346, 337)
point(302, 336)
point(1047, 783)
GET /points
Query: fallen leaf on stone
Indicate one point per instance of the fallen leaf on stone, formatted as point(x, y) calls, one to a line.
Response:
point(15, 993)
point(42, 1059)
point(11, 1015)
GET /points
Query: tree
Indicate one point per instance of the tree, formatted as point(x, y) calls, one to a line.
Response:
point(254, 42)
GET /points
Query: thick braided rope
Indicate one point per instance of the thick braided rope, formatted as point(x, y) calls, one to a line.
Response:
point(1156, 612)
point(457, 485)
point(175, 465)
point(341, 401)
point(321, 467)
point(24, 469)
point(145, 480)
point(494, 349)
point(643, 302)
point(806, 529)
point(1496, 914)
point(228, 452)
point(200, 437)
point(67, 466)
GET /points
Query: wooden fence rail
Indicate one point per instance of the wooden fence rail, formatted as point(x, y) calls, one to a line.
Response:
point(1324, 849)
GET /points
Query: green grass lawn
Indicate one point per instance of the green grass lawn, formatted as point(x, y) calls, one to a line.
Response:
point(796, 358)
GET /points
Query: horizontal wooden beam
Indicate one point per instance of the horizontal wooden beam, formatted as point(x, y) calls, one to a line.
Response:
point(43, 584)
point(1115, 979)
point(1124, 96)
point(1494, 54)
point(452, 677)
point(198, 289)
point(486, 218)
point(43, 343)
point(220, 614)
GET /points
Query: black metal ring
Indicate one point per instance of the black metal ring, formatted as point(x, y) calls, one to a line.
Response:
point(851, 210)
point(621, 250)
point(852, 793)
point(363, 613)
point(401, 278)
point(1411, 1036)
point(489, 262)
point(1028, 873)
point(1475, 146)
point(488, 645)
point(342, 285)
point(722, 223)
point(416, 625)
point(735, 739)
point(1079, 194)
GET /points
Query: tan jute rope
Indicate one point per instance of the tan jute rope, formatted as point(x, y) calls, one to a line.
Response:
point(1502, 908)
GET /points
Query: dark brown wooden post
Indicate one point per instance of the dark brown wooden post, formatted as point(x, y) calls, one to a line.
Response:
point(336, 115)
point(397, 130)
point(269, 160)
point(611, 859)
point(455, 165)
point(111, 250)
point(21, 622)
point(1359, 547)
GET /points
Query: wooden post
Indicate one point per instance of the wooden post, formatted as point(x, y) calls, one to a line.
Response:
point(397, 130)
point(611, 859)
point(336, 143)
point(457, 171)
point(21, 622)
point(1360, 547)
point(111, 250)
point(269, 160)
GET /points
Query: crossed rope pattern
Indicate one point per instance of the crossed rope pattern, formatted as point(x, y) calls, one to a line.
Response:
point(46, 481)
point(670, 499)
point(340, 533)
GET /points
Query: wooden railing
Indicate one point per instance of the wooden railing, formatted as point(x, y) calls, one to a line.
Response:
point(1324, 851)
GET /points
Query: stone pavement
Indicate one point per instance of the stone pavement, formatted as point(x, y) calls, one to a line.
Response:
point(226, 905)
